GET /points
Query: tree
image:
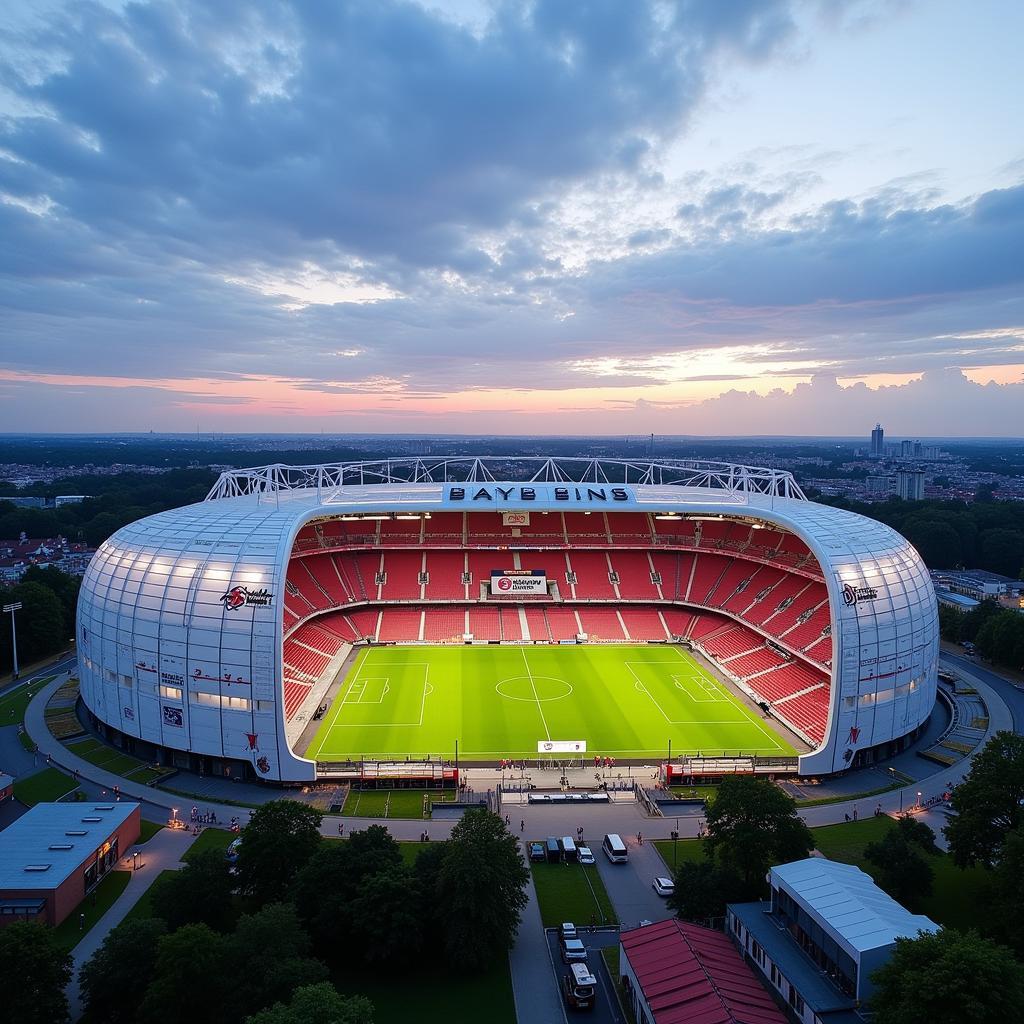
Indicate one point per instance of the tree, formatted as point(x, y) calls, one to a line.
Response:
point(988, 802)
point(948, 977)
point(1006, 910)
point(1001, 638)
point(115, 979)
point(34, 971)
point(279, 840)
point(199, 893)
point(481, 890)
point(386, 916)
point(326, 888)
point(188, 985)
point(1002, 551)
point(268, 957)
point(703, 888)
point(752, 825)
point(901, 868)
point(317, 1004)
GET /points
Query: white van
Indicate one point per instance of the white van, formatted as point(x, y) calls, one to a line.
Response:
point(568, 849)
point(615, 849)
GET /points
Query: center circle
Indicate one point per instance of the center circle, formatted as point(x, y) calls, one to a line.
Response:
point(534, 688)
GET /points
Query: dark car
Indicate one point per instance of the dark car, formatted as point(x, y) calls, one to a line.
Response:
point(537, 851)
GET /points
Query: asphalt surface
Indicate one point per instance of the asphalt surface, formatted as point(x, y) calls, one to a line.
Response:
point(606, 1007)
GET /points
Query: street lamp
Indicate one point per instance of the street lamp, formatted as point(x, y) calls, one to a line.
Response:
point(919, 799)
point(12, 608)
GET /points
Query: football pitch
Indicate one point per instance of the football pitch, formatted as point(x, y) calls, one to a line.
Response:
point(625, 701)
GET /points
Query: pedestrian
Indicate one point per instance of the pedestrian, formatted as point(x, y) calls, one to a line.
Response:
point(639, 839)
point(855, 814)
point(878, 811)
point(846, 816)
point(508, 821)
point(522, 825)
point(341, 828)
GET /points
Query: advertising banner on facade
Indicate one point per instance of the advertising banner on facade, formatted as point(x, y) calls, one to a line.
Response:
point(515, 518)
point(516, 582)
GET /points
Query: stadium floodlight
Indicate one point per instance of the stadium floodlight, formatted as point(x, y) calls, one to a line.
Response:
point(706, 519)
point(12, 608)
point(409, 516)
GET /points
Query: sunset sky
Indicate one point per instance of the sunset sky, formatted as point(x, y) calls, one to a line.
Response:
point(701, 217)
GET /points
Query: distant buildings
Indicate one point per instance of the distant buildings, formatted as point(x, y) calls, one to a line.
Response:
point(910, 484)
point(977, 584)
point(17, 556)
point(878, 442)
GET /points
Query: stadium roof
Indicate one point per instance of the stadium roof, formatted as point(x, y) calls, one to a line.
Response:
point(849, 905)
point(50, 841)
point(695, 975)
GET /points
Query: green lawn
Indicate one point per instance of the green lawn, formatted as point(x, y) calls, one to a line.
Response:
point(391, 803)
point(142, 908)
point(432, 997)
point(46, 786)
point(571, 892)
point(627, 701)
point(98, 753)
point(12, 707)
point(148, 829)
point(94, 906)
point(209, 839)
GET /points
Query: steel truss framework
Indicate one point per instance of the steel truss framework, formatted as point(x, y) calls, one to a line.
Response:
point(733, 480)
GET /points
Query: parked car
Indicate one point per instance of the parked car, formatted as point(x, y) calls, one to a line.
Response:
point(664, 886)
point(573, 950)
point(578, 987)
point(586, 855)
point(567, 930)
point(537, 852)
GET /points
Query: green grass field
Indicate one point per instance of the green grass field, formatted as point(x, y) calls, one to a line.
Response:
point(625, 701)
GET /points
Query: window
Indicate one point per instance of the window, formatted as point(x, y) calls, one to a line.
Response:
point(172, 692)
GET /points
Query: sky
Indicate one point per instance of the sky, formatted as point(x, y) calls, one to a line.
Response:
point(589, 217)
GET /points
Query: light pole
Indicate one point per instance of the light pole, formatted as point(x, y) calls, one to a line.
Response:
point(12, 608)
point(919, 799)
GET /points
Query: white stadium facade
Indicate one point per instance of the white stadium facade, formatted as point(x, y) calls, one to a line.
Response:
point(207, 633)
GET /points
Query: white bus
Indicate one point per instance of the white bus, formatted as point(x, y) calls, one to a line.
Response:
point(615, 849)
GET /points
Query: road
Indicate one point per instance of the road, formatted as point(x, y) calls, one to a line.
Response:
point(606, 1006)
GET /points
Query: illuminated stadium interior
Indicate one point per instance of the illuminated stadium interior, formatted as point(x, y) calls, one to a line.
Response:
point(823, 619)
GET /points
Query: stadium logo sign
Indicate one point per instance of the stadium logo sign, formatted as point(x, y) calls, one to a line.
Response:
point(238, 597)
point(515, 493)
point(854, 595)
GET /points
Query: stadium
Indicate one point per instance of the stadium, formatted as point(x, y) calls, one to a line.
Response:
point(303, 620)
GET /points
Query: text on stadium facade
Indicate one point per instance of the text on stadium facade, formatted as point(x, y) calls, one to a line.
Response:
point(582, 494)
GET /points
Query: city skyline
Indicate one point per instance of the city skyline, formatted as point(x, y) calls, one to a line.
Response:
point(782, 219)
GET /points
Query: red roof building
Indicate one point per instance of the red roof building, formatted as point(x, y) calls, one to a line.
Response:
point(680, 973)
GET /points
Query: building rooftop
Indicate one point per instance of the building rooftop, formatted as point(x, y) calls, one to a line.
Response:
point(46, 844)
point(857, 914)
point(695, 975)
point(820, 994)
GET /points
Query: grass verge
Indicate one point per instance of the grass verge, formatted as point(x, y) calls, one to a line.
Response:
point(12, 706)
point(143, 908)
point(571, 892)
point(390, 803)
point(45, 786)
point(94, 906)
point(209, 839)
point(435, 997)
point(147, 830)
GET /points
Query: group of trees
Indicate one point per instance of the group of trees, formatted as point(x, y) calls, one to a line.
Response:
point(751, 825)
point(262, 943)
point(985, 534)
point(114, 502)
point(46, 622)
point(998, 633)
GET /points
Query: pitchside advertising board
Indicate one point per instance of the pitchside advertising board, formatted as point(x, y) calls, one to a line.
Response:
point(561, 746)
point(512, 582)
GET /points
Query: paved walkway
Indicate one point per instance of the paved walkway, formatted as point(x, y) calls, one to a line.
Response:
point(537, 998)
point(163, 852)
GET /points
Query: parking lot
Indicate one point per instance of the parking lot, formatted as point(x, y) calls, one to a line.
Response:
point(606, 1007)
